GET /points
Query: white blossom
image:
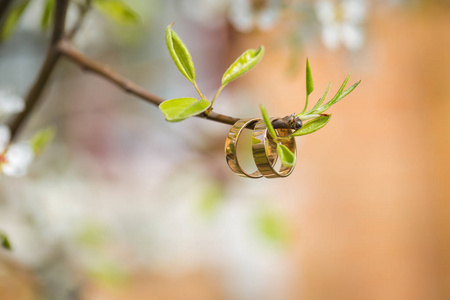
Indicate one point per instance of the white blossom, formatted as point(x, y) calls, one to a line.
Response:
point(342, 23)
point(212, 13)
point(245, 15)
point(15, 158)
point(10, 103)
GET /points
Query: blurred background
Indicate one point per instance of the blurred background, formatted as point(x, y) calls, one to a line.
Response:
point(124, 205)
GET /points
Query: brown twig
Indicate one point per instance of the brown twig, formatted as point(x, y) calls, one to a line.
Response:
point(61, 46)
point(60, 21)
point(4, 5)
point(4, 8)
point(126, 85)
point(53, 54)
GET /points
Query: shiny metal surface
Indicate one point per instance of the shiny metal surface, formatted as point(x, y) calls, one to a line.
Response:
point(262, 143)
point(231, 146)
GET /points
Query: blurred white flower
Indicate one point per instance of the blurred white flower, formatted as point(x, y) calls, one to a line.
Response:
point(245, 15)
point(342, 23)
point(211, 13)
point(15, 158)
point(10, 103)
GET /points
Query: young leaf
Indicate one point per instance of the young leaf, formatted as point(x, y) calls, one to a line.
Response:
point(319, 103)
point(309, 85)
point(176, 110)
point(268, 123)
point(345, 93)
point(46, 16)
point(309, 79)
point(286, 156)
point(4, 241)
point(180, 54)
point(117, 10)
point(41, 139)
point(312, 126)
point(243, 64)
point(12, 18)
point(335, 98)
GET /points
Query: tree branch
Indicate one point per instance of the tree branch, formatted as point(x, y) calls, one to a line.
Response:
point(4, 9)
point(126, 85)
point(60, 21)
point(4, 5)
point(51, 59)
point(60, 46)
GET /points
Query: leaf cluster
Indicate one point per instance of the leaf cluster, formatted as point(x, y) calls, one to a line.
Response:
point(286, 156)
point(316, 115)
point(179, 109)
point(319, 119)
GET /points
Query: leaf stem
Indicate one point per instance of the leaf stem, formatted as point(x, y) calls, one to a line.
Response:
point(306, 106)
point(198, 90)
point(217, 94)
point(53, 55)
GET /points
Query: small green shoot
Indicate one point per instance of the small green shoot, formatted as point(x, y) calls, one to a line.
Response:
point(312, 126)
point(268, 123)
point(309, 84)
point(319, 119)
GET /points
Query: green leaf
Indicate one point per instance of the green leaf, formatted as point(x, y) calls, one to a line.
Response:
point(41, 139)
point(309, 79)
point(335, 98)
point(243, 64)
point(46, 16)
point(179, 109)
point(286, 156)
point(12, 19)
point(309, 86)
point(4, 241)
point(268, 123)
point(180, 54)
point(118, 11)
point(325, 94)
point(346, 92)
point(312, 126)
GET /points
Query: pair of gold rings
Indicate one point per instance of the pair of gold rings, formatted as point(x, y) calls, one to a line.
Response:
point(264, 149)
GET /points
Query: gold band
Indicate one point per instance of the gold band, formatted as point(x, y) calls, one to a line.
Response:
point(231, 146)
point(261, 143)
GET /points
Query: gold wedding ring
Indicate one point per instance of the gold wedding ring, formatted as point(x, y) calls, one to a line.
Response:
point(231, 146)
point(262, 144)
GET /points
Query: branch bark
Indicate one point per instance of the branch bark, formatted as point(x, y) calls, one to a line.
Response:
point(52, 57)
point(4, 5)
